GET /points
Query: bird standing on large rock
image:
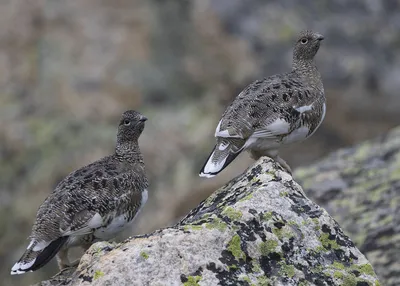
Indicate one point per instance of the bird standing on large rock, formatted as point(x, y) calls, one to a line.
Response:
point(272, 112)
point(93, 203)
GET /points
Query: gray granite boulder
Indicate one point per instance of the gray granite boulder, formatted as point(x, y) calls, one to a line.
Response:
point(259, 229)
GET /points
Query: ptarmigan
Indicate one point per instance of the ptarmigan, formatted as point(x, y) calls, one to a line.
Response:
point(93, 203)
point(272, 112)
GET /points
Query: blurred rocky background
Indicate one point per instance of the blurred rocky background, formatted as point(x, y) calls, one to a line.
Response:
point(68, 69)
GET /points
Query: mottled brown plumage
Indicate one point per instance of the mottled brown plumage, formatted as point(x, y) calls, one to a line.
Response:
point(93, 203)
point(272, 112)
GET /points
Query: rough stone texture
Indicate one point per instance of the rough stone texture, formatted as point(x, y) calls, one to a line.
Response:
point(360, 188)
point(259, 229)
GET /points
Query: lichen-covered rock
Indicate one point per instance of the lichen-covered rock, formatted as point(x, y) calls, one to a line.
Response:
point(259, 229)
point(360, 188)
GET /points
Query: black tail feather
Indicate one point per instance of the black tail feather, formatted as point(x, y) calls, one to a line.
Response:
point(229, 159)
point(208, 158)
point(48, 253)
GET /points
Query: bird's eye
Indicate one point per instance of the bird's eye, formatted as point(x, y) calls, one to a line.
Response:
point(304, 41)
point(127, 122)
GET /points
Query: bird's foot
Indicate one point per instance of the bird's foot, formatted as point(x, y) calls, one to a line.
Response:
point(74, 263)
point(63, 261)
point(255, 155)
point(273, 154)
point(283, 164)
point(64, 266)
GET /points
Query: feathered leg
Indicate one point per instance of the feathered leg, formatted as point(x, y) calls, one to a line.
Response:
point(273, 154)
point(63, 260)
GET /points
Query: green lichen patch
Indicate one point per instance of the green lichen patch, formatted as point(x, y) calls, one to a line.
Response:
point(96, 251)
point(286, 270)
point(98, 274)
point(272, 173)
point(192, 281)
point(263, 281)
point(284, 194)
point(233, 267)
point(255, 266)
point(232, 213)
point(316, 223)
point(338, 275)
point(317, 269)
point(235, 248)
point(268, 247)
point(283, 232)
point(365, 269)
point(304, 283)
point(328, 243)
point(347, 277)
point(247, 279)
point(338, 265)
point(216, 223)
point(144, 255)
point(350, 280)
point(246, 198)
point(267, 216)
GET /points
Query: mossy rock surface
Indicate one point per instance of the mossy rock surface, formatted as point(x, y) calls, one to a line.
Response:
point(360, 188)
point(246, 233)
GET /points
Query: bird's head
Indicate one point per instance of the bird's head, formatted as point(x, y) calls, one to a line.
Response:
point(307, 46)
point(130, 126)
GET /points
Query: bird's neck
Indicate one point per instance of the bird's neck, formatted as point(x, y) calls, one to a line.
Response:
point(129, 151)
point(306, 68)
point(304, 65)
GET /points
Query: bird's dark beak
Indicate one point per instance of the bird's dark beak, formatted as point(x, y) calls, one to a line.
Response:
point(320, 37)
point(143, 119)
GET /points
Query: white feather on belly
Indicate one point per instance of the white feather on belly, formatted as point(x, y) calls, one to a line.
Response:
point(297, 135)
point(119, 223)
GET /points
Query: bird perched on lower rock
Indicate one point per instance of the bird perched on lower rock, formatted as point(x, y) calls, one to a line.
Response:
point(272, 112)
point(93, 203)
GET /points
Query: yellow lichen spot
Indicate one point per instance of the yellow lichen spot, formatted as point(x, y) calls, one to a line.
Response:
point(144, 255)
point(283, 194)
point(98, 274)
